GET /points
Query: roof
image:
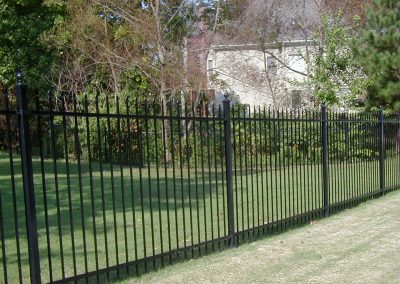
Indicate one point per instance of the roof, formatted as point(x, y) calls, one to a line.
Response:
point(276, 45)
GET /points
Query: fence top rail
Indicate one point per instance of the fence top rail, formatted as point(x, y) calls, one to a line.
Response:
point(276, 119)
point(197, 118)
point(122, 116)
point(106, 107)
point(8, 112)
point(355, 120)
point(247, 110)
point(113, 107)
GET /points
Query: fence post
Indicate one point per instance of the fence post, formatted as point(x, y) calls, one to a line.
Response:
point(381, 152)
point(325, 157)
point(27, 173)
point(229, 170)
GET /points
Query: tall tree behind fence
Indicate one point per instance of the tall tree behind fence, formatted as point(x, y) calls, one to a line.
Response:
point(99, 189)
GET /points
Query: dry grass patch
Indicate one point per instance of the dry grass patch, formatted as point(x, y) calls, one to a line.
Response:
point(361, 245)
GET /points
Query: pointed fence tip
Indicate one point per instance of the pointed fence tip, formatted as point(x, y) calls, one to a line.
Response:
point(226, 96)
point(20, 77)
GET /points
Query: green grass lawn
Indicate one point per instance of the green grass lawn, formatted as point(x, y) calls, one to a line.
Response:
point(361, 245)
point(134, 217)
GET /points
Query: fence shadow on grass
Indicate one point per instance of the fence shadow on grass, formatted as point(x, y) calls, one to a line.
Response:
point(209, 180)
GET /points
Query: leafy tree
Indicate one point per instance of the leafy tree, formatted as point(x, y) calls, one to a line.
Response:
point(378, 51)
point(333, 66)
point(23, 40)
point(105, 43)
point(130, 49)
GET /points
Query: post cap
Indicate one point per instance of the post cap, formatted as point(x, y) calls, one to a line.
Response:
point(226, 96)
point(20, 77)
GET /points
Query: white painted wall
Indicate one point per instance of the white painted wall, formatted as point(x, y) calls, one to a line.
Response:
point(241, 69)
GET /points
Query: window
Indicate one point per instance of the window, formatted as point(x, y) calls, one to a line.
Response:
point(296, 99)
point(272, 66)
point(210, 65)
point(296, 62)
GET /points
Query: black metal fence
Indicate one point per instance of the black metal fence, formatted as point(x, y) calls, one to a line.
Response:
point(92, 190)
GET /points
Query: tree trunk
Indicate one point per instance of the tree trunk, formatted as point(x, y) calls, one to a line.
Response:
point(163, 97)
point(185, 92)
point(269, 81)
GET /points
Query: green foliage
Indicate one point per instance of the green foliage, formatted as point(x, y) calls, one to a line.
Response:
point(134, 82)
point(334, 67)
point(349, 141)
point(377, 50)
point(23, 24)
point(284, 141)
point(177, 20)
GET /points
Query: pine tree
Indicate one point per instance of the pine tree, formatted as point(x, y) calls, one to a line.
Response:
point(378, 52)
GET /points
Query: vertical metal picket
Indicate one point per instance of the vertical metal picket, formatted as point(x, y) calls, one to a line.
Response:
point(381, 152)
point(298, 187)
point(27, 172)
point(229, 169)
point(325, 166)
